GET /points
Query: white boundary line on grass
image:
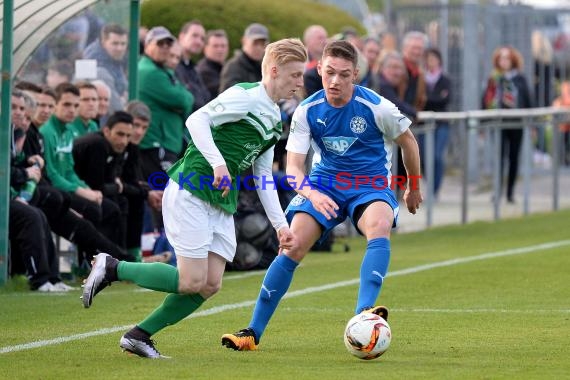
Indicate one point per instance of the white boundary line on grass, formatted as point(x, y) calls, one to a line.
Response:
point(297, 293)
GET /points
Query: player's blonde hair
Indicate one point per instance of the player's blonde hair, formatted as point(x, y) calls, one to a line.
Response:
point(281, 52)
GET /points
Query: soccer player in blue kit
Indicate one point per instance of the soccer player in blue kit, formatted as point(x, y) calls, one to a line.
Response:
point(351, 129)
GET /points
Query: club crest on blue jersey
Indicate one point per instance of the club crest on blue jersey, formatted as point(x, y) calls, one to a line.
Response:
point(357, 124)
point(298, 200)
point(338, 145)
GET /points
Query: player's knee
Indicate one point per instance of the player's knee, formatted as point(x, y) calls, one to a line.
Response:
point(378, 228)
point(297, 253)
point(190, 287)
point(209, 290)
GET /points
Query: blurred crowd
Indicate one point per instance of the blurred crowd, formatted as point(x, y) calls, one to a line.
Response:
point(85, 160)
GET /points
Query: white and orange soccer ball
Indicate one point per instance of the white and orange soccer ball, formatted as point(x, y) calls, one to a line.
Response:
point(367, 336)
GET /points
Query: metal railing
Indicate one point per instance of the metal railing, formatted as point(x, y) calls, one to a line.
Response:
point(472, 123)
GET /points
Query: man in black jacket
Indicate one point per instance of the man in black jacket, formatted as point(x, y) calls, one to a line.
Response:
point(191, 39)
point(99, 159)
point(215, 54)
point(245, 65)
point(135, 187)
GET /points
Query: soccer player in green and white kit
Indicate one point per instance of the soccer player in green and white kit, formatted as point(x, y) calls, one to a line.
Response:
point(233, 132)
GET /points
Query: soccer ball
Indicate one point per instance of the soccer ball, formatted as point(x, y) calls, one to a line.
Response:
point(367, 336)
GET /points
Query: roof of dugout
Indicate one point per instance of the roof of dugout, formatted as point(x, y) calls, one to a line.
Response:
point(34, 20)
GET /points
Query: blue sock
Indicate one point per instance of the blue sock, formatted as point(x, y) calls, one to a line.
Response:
point(274, 286)
point(372, 272)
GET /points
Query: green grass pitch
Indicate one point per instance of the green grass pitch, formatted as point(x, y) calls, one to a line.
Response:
point(482, 301)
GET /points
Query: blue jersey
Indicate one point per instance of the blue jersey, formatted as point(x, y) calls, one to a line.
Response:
point(356, 138)
point(353, 152)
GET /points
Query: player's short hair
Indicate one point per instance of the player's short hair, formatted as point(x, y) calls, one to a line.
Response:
point(112, 28)
point(28, 86)
point(85, 84)
point(188, 24)
point(138, 110)
point(30, 101)
point(64, 88)
point(17, 93)
point(414, 35)
point(46, 90)
point(215, 33)
point(119, 117)
point(341, 49)
point(282, 52)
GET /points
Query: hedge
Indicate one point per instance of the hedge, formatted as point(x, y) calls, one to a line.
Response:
point(283, 18)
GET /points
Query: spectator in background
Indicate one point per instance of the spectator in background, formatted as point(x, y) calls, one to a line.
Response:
point(135, 186)
point(45, 103)
point(37, 251)
point(87, 112)
point(245, 65)
point(143, 30)
point(392, 73)
point(371, 52)
point(507, 88)
point(413, 88)
point(30, 103)
point(191, 39)
point(58, 142)
point(54, 203)
point(59, 72)
point(388, 41)
point(32, 244)
point(99, 159)
point(169, 102)
point(564, 101)
point(315, 38)
point(210, 66)
point(174, 56)
point(543, 78)
point(104, 93)
point(110, 53)
point(438, 89)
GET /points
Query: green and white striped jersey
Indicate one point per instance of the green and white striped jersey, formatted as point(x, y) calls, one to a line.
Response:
point(245, 123)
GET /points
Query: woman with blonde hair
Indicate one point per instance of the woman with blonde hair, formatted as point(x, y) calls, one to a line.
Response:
point(507, 88)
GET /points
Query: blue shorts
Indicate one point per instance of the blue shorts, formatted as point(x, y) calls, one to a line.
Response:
point(347, 200)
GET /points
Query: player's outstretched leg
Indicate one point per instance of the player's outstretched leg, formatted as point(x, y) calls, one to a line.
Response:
point(138, 342)
point(243, 340)
point(103, 272)
point(382, 311)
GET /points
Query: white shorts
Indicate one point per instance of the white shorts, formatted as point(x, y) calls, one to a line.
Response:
point(194, 227)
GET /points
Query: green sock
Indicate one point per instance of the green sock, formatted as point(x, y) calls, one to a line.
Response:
point(155, 276)
point(174, 308)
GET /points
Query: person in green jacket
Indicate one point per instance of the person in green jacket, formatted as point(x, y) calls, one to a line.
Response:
point(88, 107)
point(169, 102)
point(58, 143)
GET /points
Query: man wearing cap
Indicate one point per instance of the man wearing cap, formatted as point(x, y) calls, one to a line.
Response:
point(169, 102)
point(245, 65)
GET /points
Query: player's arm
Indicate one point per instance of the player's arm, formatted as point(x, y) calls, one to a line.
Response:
point(199, 126)
point(411, 157)
point(298, 145)
point(262, 168)
point(296, 176)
